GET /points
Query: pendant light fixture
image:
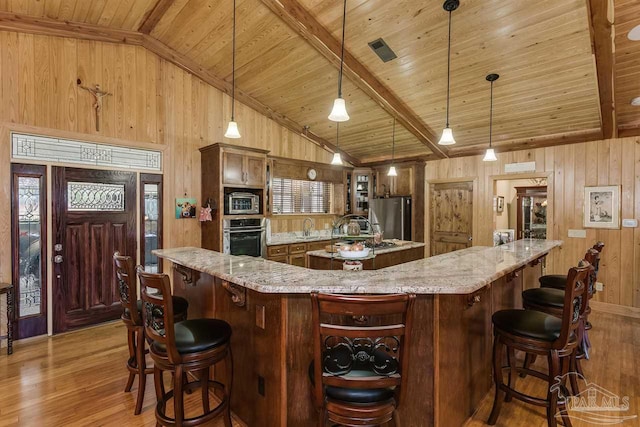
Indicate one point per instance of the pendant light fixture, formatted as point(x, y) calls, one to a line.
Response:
point(490, 155)
point(447, 133)
point(392, 168)
point(232, 129)
point(337, 159)
point(339, 111)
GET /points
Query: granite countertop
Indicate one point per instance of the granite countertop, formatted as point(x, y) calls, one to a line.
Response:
point(297, 237)
point(401, 245)
point(460, 272)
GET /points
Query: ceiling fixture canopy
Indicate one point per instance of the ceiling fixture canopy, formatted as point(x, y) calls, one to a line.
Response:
point(232, 129)
point(636, 101)
point(337, 159)
point(392, 168)
point(339, 111)
point(634, 34)
point(447, 133)
point(490, 155)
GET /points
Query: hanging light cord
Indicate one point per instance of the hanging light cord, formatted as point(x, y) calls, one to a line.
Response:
point(337, 136)
point(393, 143)
point(491, 114)
point(448, 67)
point(233, 66)
point(344, 24)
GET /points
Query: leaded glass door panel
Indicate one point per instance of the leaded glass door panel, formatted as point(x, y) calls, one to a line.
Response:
point(28, 235)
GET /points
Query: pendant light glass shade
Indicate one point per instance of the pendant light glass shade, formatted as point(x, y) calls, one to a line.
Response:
point(447, 133)
point(337, 159)
point(392, 169)
point(490, 155)
point(339, 110)
point(447, 137)
point(232, 129)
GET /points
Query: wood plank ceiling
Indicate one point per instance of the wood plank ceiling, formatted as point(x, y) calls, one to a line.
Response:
point(545, 52)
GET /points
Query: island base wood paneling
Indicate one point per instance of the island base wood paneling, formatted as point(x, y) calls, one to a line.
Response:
point(450, 367)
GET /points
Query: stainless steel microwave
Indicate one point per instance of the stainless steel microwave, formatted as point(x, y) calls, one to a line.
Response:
point(243, 204)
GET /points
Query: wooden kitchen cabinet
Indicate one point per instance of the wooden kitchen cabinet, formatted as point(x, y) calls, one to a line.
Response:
point(401, 185)
point(294, 253)
point(243, 169)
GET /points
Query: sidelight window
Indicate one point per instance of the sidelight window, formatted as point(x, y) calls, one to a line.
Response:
point(151, 221)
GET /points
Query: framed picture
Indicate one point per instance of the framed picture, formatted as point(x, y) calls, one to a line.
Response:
point(602, 207)
point(185, 208)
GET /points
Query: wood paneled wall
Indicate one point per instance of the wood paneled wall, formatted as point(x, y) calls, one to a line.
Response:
point(153, 102)
point(570, 169)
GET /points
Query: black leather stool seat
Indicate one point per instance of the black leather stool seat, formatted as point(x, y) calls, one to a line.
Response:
point(557, 281)
point(360, 395)
point(528, 324)
point(197, 335)
point(550, 297)
point(180, 307)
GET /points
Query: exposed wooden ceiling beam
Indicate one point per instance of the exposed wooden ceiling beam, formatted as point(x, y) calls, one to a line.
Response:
point(50, 27)
point(154, 15)
point(602, 46)
point(292, 13)
point(627, 132)
point(529, 143)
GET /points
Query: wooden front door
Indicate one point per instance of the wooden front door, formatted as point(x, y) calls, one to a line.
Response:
point(93, 216)
point(451, 216)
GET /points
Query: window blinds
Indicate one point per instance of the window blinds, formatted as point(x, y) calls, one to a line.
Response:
point(299, 196)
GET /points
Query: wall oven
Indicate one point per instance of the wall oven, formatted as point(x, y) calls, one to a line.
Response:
point(241, 203)
point(244, 237)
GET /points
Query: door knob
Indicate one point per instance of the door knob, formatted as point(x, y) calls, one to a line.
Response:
point(470, 238)
point(58, 259)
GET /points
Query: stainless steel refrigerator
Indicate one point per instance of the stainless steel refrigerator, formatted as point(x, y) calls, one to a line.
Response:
point(393, 215)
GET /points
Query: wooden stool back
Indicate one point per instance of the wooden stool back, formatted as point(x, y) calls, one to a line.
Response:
point(576, 296)
point(127, 288)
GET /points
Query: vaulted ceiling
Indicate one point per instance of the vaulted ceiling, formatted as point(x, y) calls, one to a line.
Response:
point(567, 73)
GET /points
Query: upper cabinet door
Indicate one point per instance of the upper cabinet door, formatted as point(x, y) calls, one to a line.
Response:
point(233, 172)
point(403, 182)
point(255, 171)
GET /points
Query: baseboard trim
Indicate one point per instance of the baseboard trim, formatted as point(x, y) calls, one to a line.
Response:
point(621, 310)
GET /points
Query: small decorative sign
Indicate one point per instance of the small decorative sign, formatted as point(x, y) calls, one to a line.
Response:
point(185, 208)
point(602, 207)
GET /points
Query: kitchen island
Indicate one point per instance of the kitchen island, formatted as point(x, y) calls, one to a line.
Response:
point(269, 309)
point(397, 252)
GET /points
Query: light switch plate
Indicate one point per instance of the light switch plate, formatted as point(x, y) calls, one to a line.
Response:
point(578, 233)
point(599, 286)
point(630, 223)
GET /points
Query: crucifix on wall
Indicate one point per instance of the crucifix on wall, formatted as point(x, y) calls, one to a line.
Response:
point(97, 94)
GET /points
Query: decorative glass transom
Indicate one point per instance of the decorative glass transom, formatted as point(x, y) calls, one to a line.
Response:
point(94, 196)
point(58, 150)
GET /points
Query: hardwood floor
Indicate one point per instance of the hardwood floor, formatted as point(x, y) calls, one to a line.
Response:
point(614, 365)
point(78, 378)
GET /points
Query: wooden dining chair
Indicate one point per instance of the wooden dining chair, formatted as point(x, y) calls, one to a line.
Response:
point(132, 317)
point(361, 358)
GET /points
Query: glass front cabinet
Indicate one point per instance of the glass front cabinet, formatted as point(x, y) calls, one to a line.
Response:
point(532, 212)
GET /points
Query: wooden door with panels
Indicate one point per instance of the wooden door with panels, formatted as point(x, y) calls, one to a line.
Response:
point(451, 213)
point(94, 215)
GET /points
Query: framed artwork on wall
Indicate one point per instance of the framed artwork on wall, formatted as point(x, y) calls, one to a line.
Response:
point(602, 207)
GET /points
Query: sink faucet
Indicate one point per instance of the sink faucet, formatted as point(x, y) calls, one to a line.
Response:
point(307, 225)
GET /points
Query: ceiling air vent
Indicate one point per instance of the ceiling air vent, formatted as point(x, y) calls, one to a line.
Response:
point(382, 49)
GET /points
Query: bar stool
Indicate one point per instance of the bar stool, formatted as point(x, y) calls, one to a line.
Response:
point(541, 334)
point(558, 282)
point(132, 317)
point(361, 356)
point(188, 347)
point(551, 301)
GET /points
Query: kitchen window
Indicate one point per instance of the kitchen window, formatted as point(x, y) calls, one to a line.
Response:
point(291, 196)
